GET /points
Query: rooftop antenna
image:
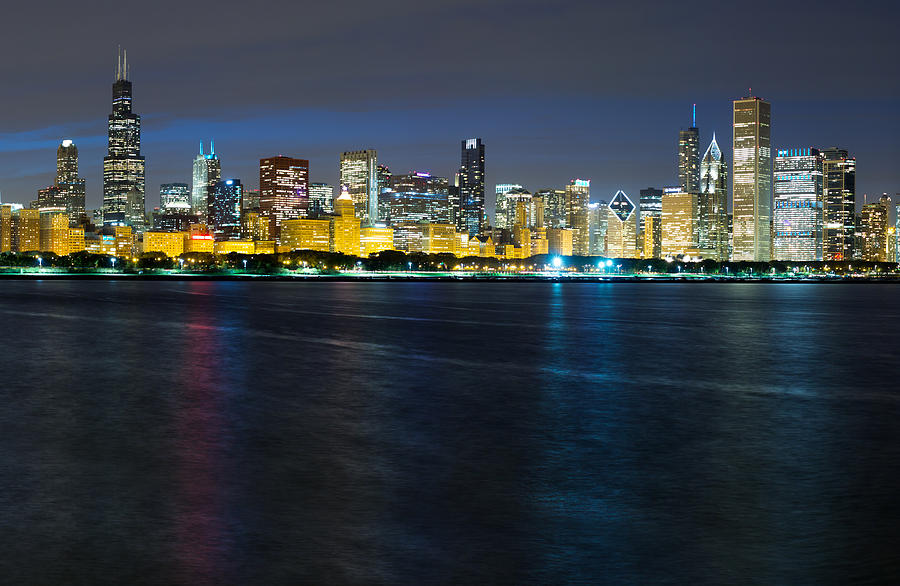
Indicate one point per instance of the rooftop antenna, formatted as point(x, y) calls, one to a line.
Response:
point(201, 147)
point(126, 65)
point(119, 63)
point(694, 123)
point(212, 147)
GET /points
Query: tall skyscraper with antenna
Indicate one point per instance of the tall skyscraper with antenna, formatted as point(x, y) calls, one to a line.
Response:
point(689, 157)
point(123, 165)
point(207, 172)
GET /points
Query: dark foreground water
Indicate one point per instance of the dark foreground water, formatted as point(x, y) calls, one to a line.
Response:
point(327, 433)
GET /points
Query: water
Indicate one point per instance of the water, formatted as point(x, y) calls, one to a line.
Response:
point(261, 433)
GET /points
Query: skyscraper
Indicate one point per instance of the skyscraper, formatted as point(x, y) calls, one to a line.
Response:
point(224, 209)
point(175, 197)
point(689, 157)
point(207, 172)
point(621, 227)
point(321, 198)
point(713, 203)
point(123, 166)
point(839, 171)
point(797, 184)
point(359, 174)
point(873, 228)
point(283, 190)
point(554, 206)
point(71, 186)
point(680, 213)
point(471, 187)
point(578, 196)
point(752, 178)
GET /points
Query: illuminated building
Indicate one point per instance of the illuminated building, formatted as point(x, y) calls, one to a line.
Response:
point(501, 209)
point(621, 228)
point(207, 171)
point(236, 246)
point(598, 222)
point(559, 241)
point(374, 239)
point(798, 187)
point(689, 157)
point(652, 236)
point(50, 198)
point(283, 190)
point(173, 221)
point(123, 166)
point(578, 196)
point(224, 211)
point(54, 232)
point(28, 230)
point(873, 233)
point(254, 226)
point(713, 236)
point(679, 222)
point(539, 242)
point(471, 187)
point(412, 207)
point(383, 183)
point(6, 228)
point(175, 197)
point(321, 199)
point(514, 207)
point(71, 187)
point(307, 234)
point(420, 182)
point(359, 174)
point(839, 170)
point(345, 226)
point(251, 199)
point(169, 243)
point(76, 240)
point(752, 178)
point(124, 239)
point(650, 205)
point(440, 238)
point(897, 230)
point(554, 206)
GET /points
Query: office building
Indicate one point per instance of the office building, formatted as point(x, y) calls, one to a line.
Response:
point(345, 226)
point(597, 226)
point(680, 211)
point(839, 234)
point(123, 166)
point(689, 157)
point(70, 186)
point(514, 206)
point(622, 227)
point(713, 203)
point(798, 188)
point(554, 206)
point(752, 180)
point(321, 199)
point(283, 190)
point(873, 230)
point(224, 209)
point(175, 197)
point(578, 196)
point(207, 171)
point(359, 174)
point(471, 187)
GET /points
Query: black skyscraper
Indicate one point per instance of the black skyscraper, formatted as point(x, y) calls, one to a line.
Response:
point(471, 187)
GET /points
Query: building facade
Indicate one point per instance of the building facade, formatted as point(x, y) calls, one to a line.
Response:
point(798, 187)
point(578, 197)
point(752, 180)
point(839, 234)
point(123, 165)
point(359, 174)
point(622, 227)
point(283, 190)
point(713, 203)
point(70, 186)
point(224, 209)
point(471, 187)
point(689, 159)
point(873, 230)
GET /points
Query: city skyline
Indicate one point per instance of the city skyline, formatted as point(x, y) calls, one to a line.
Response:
point(604, 128)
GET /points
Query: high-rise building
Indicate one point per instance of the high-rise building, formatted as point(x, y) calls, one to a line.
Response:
point(752, 180)
point(471, 187)
point(123, 166)
point(6, 228)
point(554, 206)
point(622, 227)
point(345, 226)
point(70, 186)
point(680, 211)
point(839, 170)
point(798, 188)
point(321, 199)
point(650, 204)
point(224, 209)
point(207, 172)
point(283, 190)
point(598, 222)
point(509, 201)
point(689, 157)
point(873, 230)
point(897, 229)
point(175, 197)
point(578, 196)
point(359, 174)
point(713, 203)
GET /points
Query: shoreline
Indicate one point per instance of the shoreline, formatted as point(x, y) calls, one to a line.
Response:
point(445, 277)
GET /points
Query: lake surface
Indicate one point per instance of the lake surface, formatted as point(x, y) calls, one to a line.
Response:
point(328, 433)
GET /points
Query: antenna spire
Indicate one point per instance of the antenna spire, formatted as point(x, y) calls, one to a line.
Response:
point(125, 72)
point(694, 121)
point(212, 147)
point(201, 147)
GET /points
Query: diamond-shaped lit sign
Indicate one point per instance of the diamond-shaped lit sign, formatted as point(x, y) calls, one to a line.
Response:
point(621, 206)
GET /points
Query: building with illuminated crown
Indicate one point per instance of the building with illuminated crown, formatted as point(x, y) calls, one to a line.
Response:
point(752, 180)
point(713, 203)
point(798, 187)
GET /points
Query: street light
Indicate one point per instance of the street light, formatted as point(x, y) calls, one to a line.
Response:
point(40, 262)
point(245, 264)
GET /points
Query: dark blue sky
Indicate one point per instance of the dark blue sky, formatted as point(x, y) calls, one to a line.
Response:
point(556, 89)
